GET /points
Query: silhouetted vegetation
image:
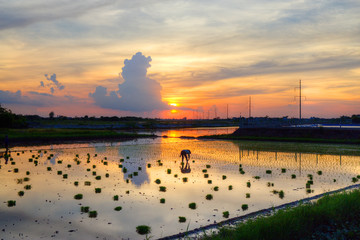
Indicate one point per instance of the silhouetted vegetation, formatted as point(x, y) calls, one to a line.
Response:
point(11, 120)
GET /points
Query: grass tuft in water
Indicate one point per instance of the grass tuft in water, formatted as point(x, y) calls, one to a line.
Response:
point(248, 184)
point(162, 189)
point(157, 181)
point(230, 187)
point(93, 214)
point(76, 183)
point(98, 177)
point(97, 190)
point(107, 175)
point(192, 205)
point(168, 171)
point(78, 196)
point(257, 177)
point(216, 188)
point(226, 214)
point(149, 165)
point(204, 170)
point(118, 208)
point(27, 173)
point(116, 198)
point(185, 179)
point(21, 193)
point(206, 175)
point(283, 170)
point(87, 183)
point(162, 200)
point(224, 177)
point(209, 197)
point(182, 219)
point(281, 194)
point(85, 209)
point(11, 203)
point(16, 170)
point(247, 195)
point(244, 207)
point(143, 229)
point(293, 176)
point(319, 172)
point(27, 187)
point(208, 166)
point(268, 171)
point(209, 181)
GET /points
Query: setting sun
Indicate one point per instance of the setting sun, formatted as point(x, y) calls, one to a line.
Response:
point(173, 111)
point(173, 104)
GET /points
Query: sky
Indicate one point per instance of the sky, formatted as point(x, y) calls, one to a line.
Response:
point(175, 59)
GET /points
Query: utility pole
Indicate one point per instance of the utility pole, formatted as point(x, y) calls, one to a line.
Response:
point(249, 106)
point(227, 111)
point(300, 99)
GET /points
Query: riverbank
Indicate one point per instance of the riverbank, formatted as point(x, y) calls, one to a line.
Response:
point(310, 135)
point(34, 136)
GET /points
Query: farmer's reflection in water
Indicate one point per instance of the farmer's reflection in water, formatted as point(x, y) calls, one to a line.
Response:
point(185, 168)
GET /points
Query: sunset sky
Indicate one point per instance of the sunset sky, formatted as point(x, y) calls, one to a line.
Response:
point(135, 58)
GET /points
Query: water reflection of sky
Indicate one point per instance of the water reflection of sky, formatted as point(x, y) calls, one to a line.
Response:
point(51, 201)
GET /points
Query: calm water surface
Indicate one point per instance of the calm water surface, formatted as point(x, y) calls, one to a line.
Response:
point(49, 209)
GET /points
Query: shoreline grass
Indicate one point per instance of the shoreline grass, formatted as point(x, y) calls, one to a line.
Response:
point(333, 215)
point(32, 136)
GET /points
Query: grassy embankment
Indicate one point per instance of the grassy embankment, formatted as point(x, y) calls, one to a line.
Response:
point(299, 147)
point(314, 135)
point(281, 139)
point(31, 136)
point(331, 217)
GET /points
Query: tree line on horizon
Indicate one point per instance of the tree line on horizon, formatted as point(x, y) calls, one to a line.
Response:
point(8, 119)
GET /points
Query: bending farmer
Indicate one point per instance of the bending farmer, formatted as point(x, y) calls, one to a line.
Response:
point(185, 153)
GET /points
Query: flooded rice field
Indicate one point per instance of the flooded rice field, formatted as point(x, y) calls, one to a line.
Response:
point(106, 190)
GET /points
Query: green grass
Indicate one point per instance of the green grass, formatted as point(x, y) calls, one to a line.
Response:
point(84, 209)
point(162, 200)
point(192, 205)
point(143, 229)
point(118, 208)
point(209, 197)
point(182, 219)
point(78, 196)
point(93, 214)
point(11, 203)
point(307, 221)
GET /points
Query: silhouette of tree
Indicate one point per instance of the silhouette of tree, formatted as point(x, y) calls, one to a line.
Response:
point(51, 115)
